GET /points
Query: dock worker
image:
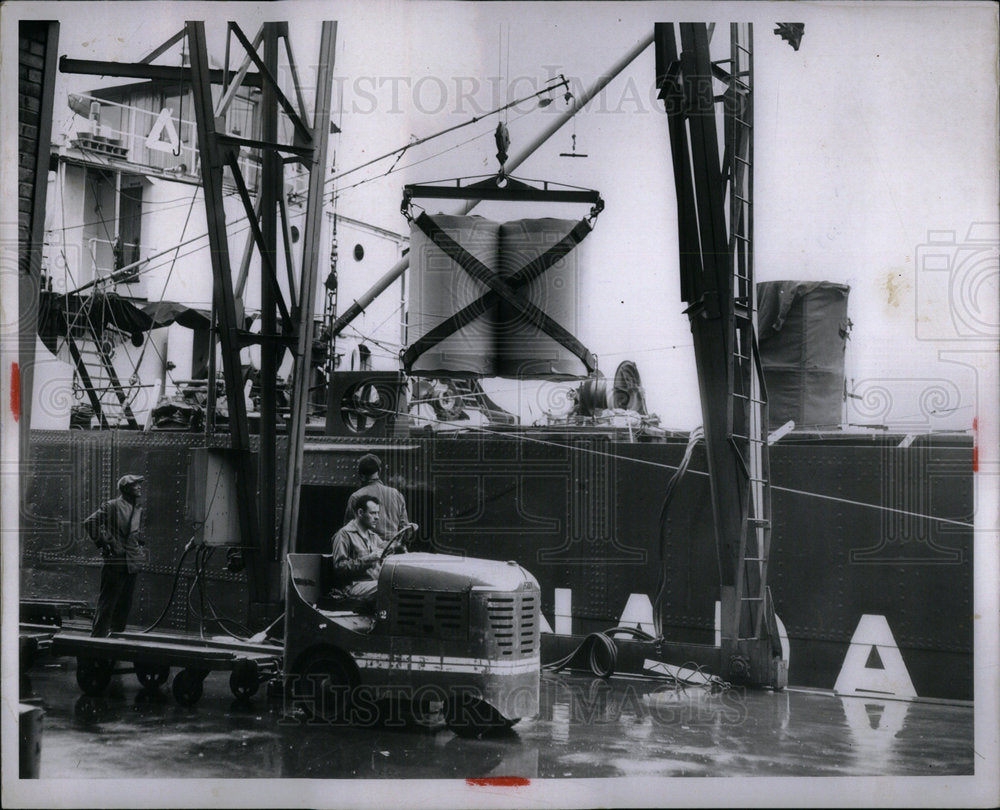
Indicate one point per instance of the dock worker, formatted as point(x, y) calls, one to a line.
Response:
point(393, 515)
point(116, 529)
point(357, 549)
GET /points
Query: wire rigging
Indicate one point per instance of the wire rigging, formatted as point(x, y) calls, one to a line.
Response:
point(337, 192)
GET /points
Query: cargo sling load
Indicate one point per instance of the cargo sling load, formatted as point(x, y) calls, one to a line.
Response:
point(493, 299)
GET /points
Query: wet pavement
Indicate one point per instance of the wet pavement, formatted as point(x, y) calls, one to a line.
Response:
point(587, 727)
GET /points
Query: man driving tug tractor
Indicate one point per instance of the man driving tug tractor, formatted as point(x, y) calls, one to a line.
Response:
point(357, 555)
point(371, 623)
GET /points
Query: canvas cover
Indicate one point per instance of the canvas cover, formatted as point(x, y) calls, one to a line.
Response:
point(802, 330)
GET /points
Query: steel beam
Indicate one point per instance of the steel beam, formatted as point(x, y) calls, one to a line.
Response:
point(138, 70)
point(237, 81)
point(269, 69)
point(268, 270)
point(722, 332)
point(307, 294)
point(271, 187)
point(162, 49)
point(224, 302)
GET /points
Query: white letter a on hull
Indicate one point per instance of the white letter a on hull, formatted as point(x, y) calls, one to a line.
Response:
point(873, 664)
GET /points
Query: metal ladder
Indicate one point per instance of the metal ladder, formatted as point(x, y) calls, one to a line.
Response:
point(747, 408)
point(96, 377)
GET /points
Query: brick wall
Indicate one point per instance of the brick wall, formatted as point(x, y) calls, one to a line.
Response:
point(33, 41)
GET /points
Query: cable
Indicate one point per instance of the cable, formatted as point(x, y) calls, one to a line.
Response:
point(695, 436)
point(173, 590)
point(336, 192)
point(660, 465)
point(173, 263)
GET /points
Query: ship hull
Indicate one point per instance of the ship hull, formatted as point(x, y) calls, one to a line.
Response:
point(859, 546)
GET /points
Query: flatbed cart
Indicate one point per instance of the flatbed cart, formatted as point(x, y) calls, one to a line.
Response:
point(153, 655)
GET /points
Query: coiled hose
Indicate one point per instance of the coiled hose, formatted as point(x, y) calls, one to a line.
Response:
point(598, 645)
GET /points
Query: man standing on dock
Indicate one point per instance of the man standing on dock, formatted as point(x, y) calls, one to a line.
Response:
point(116, 529)
point(393, 506)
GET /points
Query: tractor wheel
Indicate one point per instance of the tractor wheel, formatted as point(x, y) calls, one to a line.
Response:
point(473, 717)
point(151, 676)
point(243, 680)
point(188, 686)
point(94, 674)
point(322, 684)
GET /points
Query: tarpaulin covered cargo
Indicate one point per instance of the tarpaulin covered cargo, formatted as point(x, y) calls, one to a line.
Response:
point(459, 326)
point(802, 331)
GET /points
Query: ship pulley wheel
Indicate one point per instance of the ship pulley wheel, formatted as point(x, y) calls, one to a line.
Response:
point(363, 405)
point(398, 541)
point(94, 674)
point(188, 686)
point(469, 716)
point(151, 676)
point(322, 685)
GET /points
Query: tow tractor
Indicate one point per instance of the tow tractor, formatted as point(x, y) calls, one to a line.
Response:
point(456, 633)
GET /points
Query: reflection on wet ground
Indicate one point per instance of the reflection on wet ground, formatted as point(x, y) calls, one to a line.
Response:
point(587, 727)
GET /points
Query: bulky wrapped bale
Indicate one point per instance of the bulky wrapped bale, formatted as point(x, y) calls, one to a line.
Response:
point(439, 288)
point(524, 350)
point(502, 341)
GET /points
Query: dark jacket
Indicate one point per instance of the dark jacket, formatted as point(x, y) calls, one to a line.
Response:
point(116, 529)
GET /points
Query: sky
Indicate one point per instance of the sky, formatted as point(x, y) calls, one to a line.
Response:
point(877, 135)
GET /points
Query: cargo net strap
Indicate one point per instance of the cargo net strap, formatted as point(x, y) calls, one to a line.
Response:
point(505, 289)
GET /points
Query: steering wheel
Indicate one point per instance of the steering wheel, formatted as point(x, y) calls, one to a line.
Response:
point(406, 531)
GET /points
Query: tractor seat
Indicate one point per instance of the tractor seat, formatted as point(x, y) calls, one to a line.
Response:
point(329, 597)
point(333, 601)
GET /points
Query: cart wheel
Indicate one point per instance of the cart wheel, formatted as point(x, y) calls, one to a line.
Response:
point(94, 674)
point(243, 680)
point(152, 675)
point(188, 686)
point(473, 717)
point(322, 685)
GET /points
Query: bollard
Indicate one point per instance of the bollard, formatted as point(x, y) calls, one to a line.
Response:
point(30, 727)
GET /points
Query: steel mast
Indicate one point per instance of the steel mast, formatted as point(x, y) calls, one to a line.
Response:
point(714, 184)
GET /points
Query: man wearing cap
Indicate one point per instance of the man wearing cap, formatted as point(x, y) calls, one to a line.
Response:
point(116, 529)
point(393, 507)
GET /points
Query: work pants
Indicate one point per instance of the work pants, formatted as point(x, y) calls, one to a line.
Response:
point(361, 595)
point(114, 601)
